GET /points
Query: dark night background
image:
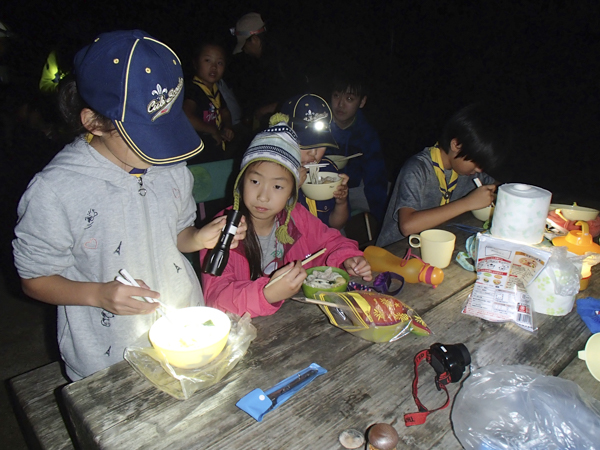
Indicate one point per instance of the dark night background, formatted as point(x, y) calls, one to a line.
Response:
point(424, 59)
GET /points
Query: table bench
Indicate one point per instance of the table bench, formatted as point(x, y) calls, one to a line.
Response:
point(36, 393)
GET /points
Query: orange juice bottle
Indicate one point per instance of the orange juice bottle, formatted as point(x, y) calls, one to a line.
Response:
point(412, 268)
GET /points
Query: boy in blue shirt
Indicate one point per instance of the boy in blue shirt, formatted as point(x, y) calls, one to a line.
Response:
point(354, 134)
point(436, 184)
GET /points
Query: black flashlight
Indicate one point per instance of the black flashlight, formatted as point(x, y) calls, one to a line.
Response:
point(219, 255)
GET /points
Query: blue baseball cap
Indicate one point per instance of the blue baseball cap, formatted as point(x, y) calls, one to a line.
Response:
point(137, 82)
point(310, 117)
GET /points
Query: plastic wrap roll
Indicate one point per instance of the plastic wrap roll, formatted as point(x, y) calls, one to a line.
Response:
point(520, 213)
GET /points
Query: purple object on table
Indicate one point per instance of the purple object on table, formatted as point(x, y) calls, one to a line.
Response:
point(381, 284)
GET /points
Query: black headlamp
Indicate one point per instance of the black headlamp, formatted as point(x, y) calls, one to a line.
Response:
point(449, 363)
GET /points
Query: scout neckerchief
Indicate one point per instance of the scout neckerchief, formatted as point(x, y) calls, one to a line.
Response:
point(445, 189)
point(215, 98)
point(312, 206)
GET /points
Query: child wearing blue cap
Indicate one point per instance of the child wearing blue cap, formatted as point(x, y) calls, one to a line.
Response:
point(310, 117)
point(118, 197)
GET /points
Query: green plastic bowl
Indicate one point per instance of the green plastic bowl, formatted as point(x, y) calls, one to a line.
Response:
point(310, 292)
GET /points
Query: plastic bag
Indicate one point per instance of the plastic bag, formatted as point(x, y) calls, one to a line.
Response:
point(467, 258)
point(553, 291)
point(182, 383)
point(517, 407)
point(372, 316)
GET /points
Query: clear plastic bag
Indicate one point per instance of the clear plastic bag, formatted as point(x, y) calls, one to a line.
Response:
point(182, 383)
point(517, 407)
point(372, 316)
point(553, 291)
point(565, 271)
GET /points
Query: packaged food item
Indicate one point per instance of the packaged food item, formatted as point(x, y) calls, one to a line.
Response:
point(372, 316)
point(504, 270)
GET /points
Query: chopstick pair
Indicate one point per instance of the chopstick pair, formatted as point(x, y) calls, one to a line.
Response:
point(320, 302)
point(127, 279)
point(477, 182)
point(304, 261)
point(185, 337)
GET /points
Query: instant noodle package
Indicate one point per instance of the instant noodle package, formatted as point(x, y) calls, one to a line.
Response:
point(372, 316)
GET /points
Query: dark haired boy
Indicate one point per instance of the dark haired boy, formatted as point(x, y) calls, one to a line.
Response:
point(353, 134)
point(436, 184)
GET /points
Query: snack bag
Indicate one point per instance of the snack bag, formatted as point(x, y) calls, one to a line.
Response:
point(372, 316)
point(504, 270)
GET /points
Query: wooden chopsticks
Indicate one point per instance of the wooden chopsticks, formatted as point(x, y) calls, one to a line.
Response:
point(320, 302)
point(304, 261)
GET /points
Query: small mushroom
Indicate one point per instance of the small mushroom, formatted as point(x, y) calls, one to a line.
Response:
point(383, 436)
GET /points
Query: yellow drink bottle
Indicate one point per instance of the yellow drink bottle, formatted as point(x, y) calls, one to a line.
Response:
point(412, 268)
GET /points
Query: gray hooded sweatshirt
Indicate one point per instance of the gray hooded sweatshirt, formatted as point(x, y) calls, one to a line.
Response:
point(84, 218)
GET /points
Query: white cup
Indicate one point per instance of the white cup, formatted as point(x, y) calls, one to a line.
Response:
point(436, 246)
point(591, 355)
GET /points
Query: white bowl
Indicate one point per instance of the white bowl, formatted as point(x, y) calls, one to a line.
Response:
point(321, 191)
point(191, 337)
point(339, 160)
point(575, 212)
point(483, 214)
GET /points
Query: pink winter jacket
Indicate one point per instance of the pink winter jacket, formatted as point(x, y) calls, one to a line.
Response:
point(234, 291)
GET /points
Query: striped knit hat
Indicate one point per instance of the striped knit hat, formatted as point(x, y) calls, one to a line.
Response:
point(278, 144)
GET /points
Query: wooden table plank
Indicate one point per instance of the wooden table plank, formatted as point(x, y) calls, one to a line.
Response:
point(283, 351)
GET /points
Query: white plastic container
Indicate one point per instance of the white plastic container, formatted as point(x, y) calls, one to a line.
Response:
point(545, 300)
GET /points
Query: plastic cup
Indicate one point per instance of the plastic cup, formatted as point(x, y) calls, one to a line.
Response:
point(436, 246)
point(591, 355)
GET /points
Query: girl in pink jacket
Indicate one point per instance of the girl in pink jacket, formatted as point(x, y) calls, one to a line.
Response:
point(280, 232)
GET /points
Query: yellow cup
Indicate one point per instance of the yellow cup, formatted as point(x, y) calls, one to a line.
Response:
point(591, 355)
point(436, 246)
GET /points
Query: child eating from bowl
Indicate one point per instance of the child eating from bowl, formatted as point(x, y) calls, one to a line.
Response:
point(280, 232)
point(437, 184)
point(310, 117)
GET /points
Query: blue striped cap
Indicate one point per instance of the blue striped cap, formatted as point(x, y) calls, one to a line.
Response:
point(137, 82)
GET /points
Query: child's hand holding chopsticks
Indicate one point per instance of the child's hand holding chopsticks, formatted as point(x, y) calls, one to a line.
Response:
point(292, 275)
point(285, 283)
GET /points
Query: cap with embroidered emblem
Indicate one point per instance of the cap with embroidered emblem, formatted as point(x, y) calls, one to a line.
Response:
point(137, 82)
point(310, 117)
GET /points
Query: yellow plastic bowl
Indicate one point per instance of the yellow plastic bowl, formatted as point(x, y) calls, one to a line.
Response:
point(187, 339)
point(575, 212)
point(321, 191)
point(483, 214)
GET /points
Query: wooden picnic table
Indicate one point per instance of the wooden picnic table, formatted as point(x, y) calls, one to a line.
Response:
point(366, 382)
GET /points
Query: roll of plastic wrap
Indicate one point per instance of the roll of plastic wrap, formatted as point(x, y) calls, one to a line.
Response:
point(520, 213)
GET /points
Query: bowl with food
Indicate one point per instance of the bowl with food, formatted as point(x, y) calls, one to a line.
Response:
point(484, 214)
point(190, 338)
point(324, 279)
point(323, 189)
